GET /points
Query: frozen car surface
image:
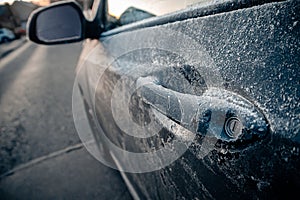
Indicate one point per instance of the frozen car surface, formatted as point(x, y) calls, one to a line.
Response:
point(201, 103)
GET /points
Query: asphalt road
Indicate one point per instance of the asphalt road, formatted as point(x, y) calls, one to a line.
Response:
point(41, 156)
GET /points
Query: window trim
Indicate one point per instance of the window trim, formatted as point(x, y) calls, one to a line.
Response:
point(214, 7)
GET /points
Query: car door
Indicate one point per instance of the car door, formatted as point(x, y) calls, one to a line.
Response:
point(202, 103)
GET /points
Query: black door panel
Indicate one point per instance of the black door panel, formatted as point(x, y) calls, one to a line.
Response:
point(252, 54)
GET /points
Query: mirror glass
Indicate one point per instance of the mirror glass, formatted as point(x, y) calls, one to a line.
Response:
point(61, 23)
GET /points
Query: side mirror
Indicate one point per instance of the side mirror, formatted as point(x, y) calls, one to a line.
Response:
point(59, 23)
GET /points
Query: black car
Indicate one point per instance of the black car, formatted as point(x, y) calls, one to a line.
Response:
point(187, 99)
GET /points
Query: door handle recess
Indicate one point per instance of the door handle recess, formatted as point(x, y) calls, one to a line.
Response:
point(218, 112)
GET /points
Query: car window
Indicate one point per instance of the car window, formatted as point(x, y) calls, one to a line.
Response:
point(128, 11)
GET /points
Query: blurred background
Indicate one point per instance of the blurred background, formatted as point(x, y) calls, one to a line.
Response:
point(41, 155)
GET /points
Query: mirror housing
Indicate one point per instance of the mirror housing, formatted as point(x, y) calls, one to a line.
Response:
point(60, 23)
